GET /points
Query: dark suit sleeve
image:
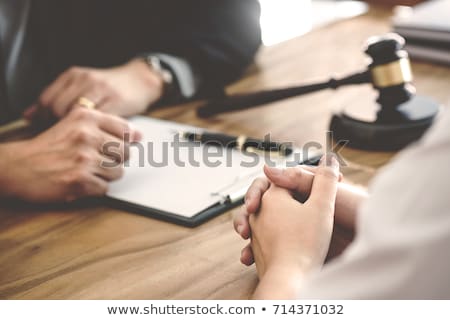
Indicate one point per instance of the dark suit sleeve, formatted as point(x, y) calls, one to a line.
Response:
point(217, 38)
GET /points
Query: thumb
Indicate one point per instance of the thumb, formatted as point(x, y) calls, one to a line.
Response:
point(325, 184)
point(295, 179)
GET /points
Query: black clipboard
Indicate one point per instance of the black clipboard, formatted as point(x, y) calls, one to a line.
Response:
point(191, 222)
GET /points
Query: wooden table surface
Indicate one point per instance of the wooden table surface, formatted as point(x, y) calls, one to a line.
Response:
point(86, 252)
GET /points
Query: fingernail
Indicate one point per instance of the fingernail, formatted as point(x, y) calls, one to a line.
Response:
point(240, 228)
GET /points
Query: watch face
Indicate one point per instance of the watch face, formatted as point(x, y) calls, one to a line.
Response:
point(155, 63)
point(180, 81)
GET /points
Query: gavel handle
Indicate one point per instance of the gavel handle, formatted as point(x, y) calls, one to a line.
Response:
point(250, 100)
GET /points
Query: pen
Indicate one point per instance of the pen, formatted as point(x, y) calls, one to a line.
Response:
point(240, 142)
point(13, 126)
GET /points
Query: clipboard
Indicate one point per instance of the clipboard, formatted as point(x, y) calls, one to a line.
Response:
point(188, 195)
point(192, 222)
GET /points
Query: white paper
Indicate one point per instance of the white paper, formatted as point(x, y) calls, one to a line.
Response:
point(184, 191)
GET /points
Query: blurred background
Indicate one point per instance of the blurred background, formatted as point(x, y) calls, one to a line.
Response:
point(282, 20)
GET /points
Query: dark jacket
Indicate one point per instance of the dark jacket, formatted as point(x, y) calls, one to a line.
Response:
point(217, 37)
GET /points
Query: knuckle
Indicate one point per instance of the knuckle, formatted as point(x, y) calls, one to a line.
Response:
point(83, 76)
point(240, 218)
point(76, 181)
point(258, 186)
point(57, 112)
point(74, 70)
point(44, 100)
point(82, 136)
point(83, 157)
point(260, 182)
point(88, 76)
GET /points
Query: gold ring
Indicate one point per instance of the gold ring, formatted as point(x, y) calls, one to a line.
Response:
point(87, 103)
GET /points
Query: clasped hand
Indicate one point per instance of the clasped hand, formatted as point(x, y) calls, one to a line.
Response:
point(288, 238)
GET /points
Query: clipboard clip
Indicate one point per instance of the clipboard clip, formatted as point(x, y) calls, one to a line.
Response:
point(236, 190)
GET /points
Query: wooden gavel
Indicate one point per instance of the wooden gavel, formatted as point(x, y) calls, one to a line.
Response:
point(389, 72)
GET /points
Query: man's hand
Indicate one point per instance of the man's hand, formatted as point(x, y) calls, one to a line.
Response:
point(65, 162)
point(290, 239)
point(125, 90)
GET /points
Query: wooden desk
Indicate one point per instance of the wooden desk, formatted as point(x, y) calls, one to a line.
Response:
point(100, 253)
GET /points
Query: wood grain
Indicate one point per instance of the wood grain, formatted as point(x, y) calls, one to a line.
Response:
point(85, 251)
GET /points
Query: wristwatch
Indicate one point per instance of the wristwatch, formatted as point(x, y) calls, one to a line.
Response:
point(181, 80)
point(159, 67)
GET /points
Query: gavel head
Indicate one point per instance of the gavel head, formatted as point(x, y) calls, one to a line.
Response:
point(390, 70)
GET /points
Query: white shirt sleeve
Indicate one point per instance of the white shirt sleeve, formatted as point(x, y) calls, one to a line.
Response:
point(402, 246)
